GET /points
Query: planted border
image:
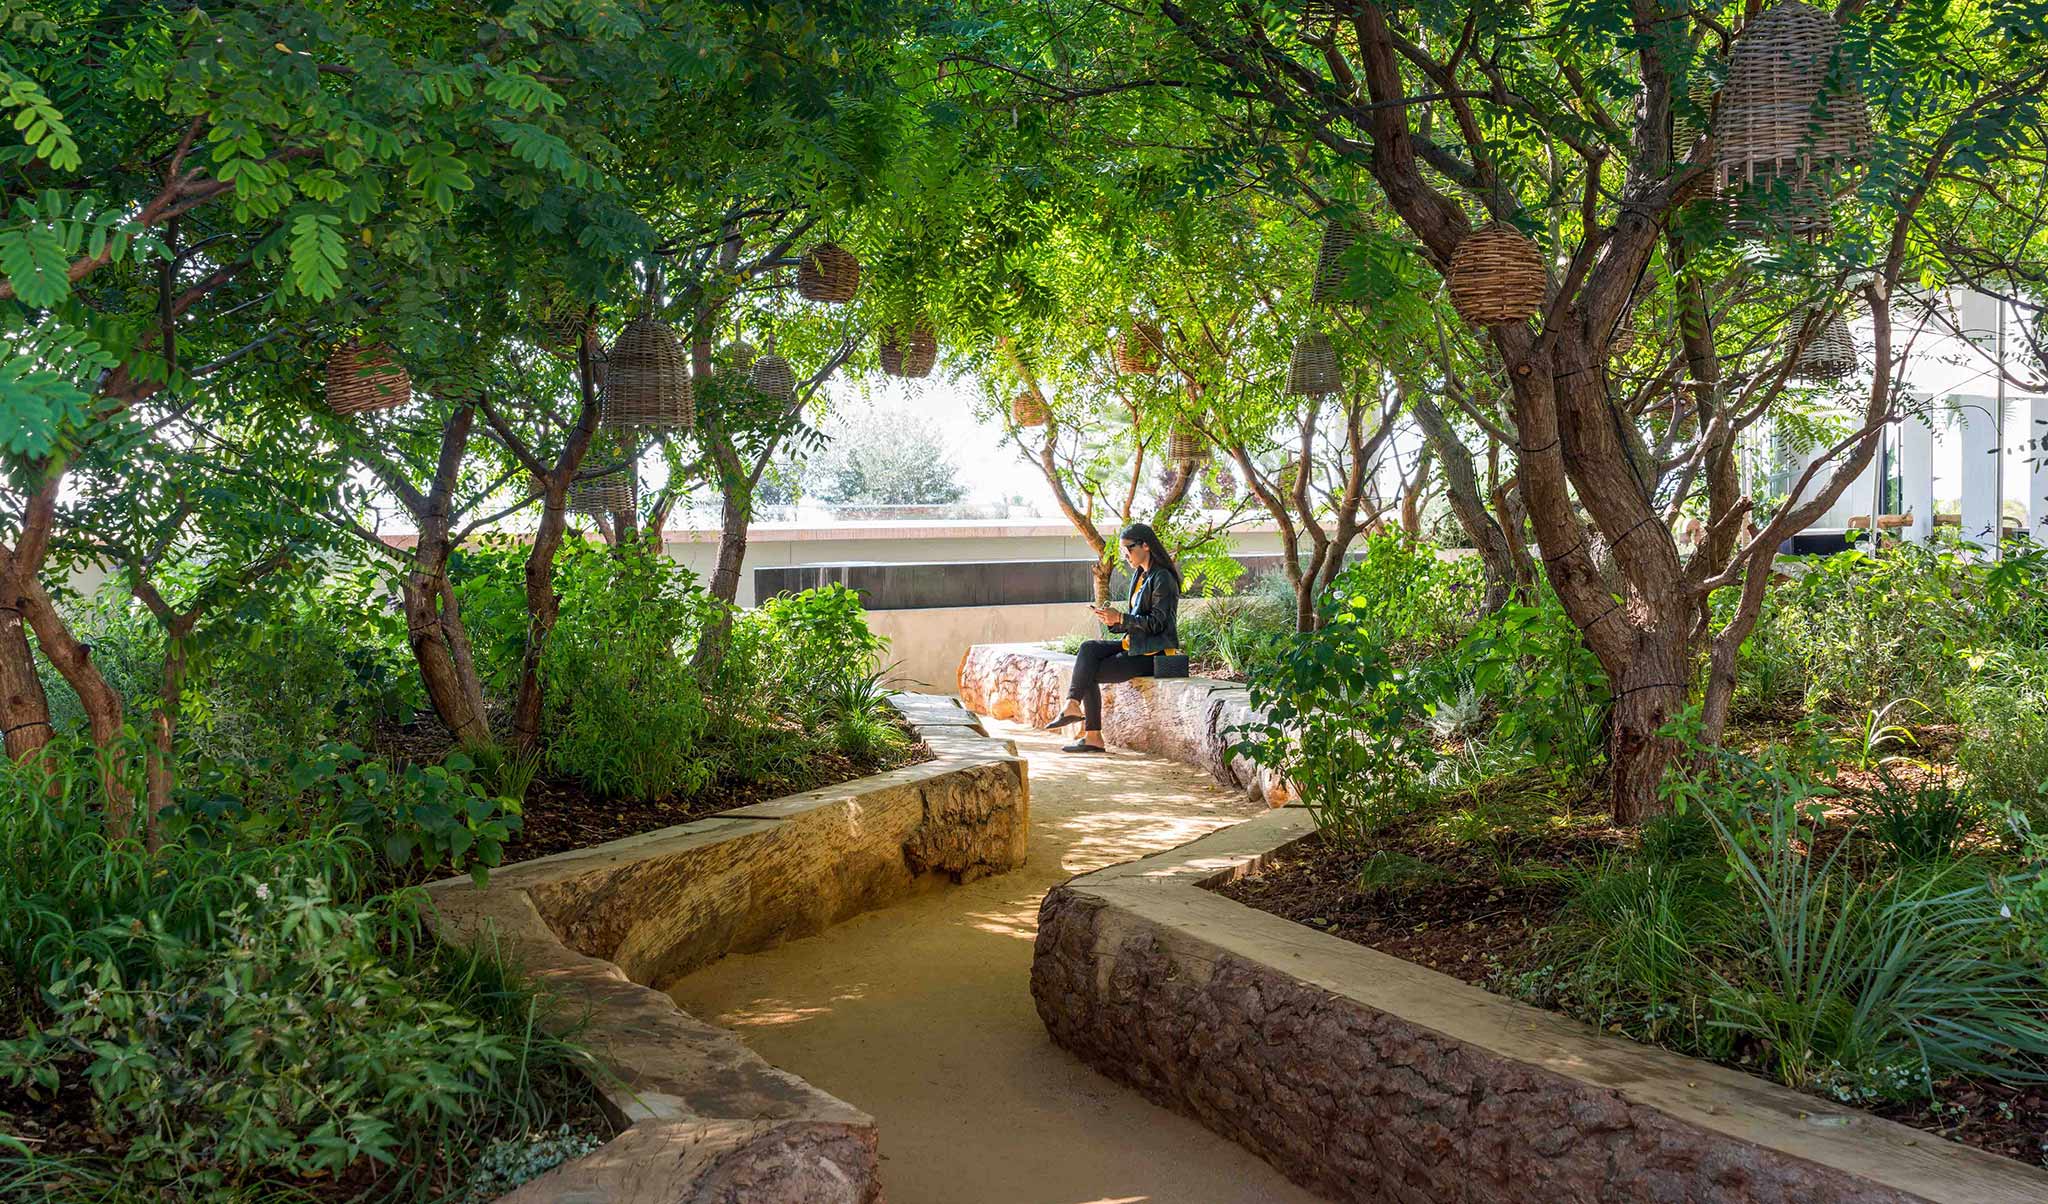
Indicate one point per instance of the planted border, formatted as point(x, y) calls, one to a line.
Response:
point(1364, 1077)
point(704, 1117)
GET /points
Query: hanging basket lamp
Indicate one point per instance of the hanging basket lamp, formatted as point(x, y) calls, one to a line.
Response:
point(1138, 351)
point(828, 273)
point(1312, 369)
point(1789, 123)
point(911, 354)
point(1496, 276)
point(1186, 446)
point(1027, 408)
point(362, 379)
point(772, 377)
point(616, 492)
point(1829, 355)
point(1338, 236)
point(647, 378)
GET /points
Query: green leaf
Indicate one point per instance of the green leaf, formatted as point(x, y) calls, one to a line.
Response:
point(34, 261)
point(318, 253)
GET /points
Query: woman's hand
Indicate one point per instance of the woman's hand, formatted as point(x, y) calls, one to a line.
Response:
point(1109, 617)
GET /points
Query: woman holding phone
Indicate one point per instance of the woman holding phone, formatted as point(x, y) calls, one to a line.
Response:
point(1148, 628)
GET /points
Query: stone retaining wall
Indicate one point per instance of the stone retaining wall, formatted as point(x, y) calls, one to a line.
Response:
point(1183, 719)
point(705, 1118)
point(1367, 1078)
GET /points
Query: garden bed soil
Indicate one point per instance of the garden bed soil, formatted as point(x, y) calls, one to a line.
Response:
point(560, 813)
point(1473, 911)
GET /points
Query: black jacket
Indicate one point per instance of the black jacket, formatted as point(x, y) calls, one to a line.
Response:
point(1151, 623)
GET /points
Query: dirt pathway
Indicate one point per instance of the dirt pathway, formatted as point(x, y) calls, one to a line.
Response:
point(921, 1015)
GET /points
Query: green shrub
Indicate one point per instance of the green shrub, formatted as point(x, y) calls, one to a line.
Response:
point(1340, 721)
point(1406, 595)
point(2003, 755)
point(819, 637)
point(245, 1015)
point(626, 712)
point(1238, 631)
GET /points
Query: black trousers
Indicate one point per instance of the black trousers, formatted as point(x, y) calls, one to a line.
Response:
point(1099, 663)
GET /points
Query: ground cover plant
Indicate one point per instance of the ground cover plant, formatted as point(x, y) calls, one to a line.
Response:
point(1845, 898)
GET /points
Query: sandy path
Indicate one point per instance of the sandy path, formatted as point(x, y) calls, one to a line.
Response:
point(921, 1015)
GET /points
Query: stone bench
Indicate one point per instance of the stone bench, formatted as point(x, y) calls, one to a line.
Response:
point(1185, 719)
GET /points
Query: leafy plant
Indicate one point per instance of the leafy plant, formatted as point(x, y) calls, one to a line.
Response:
point(1924, 821)
point(628, 714)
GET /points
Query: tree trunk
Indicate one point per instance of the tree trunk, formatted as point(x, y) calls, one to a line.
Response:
point(1411, 497)
point(103, 707)
point(1648, 693)
point(24, 706)
point(440, 645)
point(1099, 574)
point(543, 606)
point(735, 508)
point(1461, 487)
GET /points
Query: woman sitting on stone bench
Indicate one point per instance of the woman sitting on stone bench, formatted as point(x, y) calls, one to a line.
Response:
point(1148, 629)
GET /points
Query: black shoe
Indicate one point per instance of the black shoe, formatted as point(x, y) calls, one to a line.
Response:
point(1063, 721)
point(1082, 746)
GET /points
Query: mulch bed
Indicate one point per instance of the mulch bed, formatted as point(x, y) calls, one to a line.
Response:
point(561, 814)
point(1473, 910)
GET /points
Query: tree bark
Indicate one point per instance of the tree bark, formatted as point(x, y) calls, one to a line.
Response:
point(1461, 487)
point(160, 770)
point(103, 707)
point(24, 705)
point(433, 618)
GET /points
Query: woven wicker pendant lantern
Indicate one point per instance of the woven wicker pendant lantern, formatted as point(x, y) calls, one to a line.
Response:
point(739, 357)
point(828, 273)
point(772, 377)
point(1329, 283)
point(647, 378)
point(1186, 446)
point(1496, 275)
point(361, 379)
point(1138, 351)
point(1027, 408)
point(1782, 118)
point(1312, 369)
point(1829, 355)
point(607, 493)
point(911, 354)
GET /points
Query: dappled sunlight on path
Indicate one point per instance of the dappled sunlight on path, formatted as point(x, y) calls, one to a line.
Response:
point(921, 1014)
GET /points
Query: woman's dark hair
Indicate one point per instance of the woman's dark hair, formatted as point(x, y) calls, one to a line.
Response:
point(1140, 533)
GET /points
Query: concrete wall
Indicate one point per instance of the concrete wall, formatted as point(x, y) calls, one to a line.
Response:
point(929, 645)
point(906, 542)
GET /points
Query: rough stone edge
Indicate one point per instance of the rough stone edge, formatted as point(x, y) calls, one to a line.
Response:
point(1122, 938)
point(803, 1145)
point(1184, 719)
